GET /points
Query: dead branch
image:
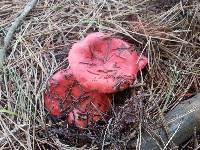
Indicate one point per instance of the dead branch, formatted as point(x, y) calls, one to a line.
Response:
point(3, 139)
point(9, 35)
point(14, 26)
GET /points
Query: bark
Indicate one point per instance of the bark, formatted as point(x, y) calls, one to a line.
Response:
point(182, 121)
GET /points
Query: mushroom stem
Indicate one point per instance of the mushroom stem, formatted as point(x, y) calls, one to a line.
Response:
point(182, 121)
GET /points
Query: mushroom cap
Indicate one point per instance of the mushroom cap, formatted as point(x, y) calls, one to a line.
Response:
point(96, 107)
point(100, 62)
point(62, 92)
point(65, 95)
point(90, 111)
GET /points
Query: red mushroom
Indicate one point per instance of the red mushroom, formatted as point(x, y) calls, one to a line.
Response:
point(105, 64)
point(57, 97)
point(64, 94)
point(90, 111)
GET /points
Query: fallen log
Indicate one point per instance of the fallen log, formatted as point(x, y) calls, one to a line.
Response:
point(181, 121)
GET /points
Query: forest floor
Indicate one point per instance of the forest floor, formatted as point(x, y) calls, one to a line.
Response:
point(166, 31)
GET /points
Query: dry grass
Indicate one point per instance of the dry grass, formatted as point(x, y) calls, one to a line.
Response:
point(168, 35)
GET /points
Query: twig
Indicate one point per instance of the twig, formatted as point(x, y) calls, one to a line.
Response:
point(104, 137)
point(14, 26)
point(3, 139)
point(1, 66)
point(198, 147)
point(4, 45)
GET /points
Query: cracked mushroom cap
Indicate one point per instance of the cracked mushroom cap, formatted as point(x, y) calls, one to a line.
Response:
point(64, 95)
point(104, 63)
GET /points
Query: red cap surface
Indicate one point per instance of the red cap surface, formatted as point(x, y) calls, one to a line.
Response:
point(64, 94)
point(62, 91)
point(105, 64)
point(90, 110)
